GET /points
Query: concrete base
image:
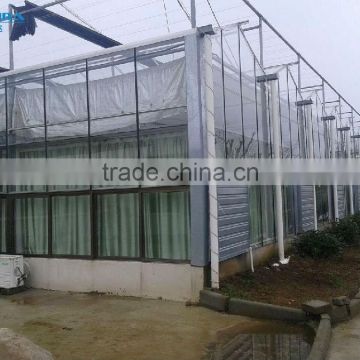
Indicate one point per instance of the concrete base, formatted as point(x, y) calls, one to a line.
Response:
point(242, 263)
point(179, 282)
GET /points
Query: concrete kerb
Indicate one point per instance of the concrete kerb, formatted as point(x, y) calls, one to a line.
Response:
point(265, 311)
point(214, 301)
point(319, 350)
point(322, 339)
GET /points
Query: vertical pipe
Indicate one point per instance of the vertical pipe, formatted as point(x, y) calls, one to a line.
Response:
point(333, 156)
point(351, 190)
point(327, 132)
point(193, 14)
point(311, 155)
point(241, 92)
point(211, 155)
point(277, 153)
point(11, 44)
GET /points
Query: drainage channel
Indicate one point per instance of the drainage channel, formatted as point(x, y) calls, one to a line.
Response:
point(269, 341)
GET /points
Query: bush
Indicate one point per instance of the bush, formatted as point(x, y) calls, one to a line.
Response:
point(318, 244)
point(347, 230)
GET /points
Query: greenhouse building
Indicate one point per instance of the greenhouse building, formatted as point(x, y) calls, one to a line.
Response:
point(184, 95)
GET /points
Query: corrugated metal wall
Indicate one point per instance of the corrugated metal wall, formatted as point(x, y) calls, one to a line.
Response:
point(306, 208)
point(341, 201)
point(233, 221)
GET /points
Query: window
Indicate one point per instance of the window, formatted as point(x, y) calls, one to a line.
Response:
point(71, 230)
point(31, 225)
point(118, 225)
point(167, 225)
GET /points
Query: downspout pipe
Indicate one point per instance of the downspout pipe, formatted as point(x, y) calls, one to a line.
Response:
point(348, 156)
point(333, 156)
point(279, 215)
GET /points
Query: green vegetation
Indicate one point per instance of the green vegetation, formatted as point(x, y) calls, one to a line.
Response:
point(318, 245)
point(331, 241)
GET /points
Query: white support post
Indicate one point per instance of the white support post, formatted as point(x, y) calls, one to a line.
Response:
point(311, 155)
point(277, 155)
point(211, 155)
point(351, 192)
point(333, 155)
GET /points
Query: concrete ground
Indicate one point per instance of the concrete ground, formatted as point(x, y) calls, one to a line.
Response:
point(93, 326)
point(345, 341)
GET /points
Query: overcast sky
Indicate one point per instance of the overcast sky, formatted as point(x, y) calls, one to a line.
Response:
point(326, 32)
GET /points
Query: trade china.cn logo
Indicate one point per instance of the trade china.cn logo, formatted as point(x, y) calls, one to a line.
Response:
point(6, 17)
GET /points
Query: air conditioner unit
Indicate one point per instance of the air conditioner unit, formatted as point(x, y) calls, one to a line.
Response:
point(11, 271)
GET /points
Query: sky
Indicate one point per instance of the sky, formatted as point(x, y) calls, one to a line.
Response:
point(325, 32)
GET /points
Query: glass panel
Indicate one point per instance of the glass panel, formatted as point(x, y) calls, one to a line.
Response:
point(322, 203)
point(219, 93)
point(293, 97)
point(288, 196)
point(26, 130)
point(2, 225)
point(112, 97)
point(233, 96)
point(113, 107)
point(167, 225)
point(251, 125)
point(71, 225)
point(25, 97)
point(162, 100)
point(66, 98)
point(268, 208)
point(118, 225)
point(286, 131)
point(31, 226)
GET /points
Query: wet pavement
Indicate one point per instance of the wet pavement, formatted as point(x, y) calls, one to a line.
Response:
point(345, 341)
point(93, 326)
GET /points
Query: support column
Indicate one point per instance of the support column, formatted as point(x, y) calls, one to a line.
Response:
point(311, 155)
point(273, 80)
point(199, 205)
point(274, 85)
point(333, 156)
point(347, 154)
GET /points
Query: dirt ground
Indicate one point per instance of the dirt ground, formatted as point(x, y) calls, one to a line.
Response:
point(299, 281)
point(93, 326)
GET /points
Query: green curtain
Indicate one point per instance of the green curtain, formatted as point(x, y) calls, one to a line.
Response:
point(3, 225)
point(29, 153)
point(118, 148)
point(31, 225)
point(118, 225)
point(164, 146)
point(77, 150)
point(166, 215)
point(167, 225)
point(71, 225)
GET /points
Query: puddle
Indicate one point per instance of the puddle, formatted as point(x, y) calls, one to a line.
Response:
point(268, 341)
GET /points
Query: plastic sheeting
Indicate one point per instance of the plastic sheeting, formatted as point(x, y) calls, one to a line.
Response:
point(161, 93)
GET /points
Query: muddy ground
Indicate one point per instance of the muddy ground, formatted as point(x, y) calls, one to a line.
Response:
point(93, 326)
point(301, 280)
